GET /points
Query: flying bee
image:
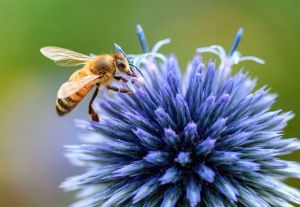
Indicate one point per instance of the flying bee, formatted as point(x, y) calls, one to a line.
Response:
point(98, 70)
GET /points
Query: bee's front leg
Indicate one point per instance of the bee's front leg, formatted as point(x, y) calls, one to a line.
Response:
point(121, 90)
point(118, 78)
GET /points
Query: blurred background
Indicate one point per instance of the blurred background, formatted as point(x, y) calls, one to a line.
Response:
point(32, 135)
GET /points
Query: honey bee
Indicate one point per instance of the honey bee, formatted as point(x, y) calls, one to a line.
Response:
point(98, 70)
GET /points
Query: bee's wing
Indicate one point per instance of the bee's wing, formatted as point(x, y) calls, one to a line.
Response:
point(65, 57)
point(69, 88)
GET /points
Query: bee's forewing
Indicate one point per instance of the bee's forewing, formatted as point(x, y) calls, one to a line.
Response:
point(65, 57)
point(69, 88)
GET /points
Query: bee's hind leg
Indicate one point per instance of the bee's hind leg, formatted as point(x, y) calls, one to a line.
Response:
point(121, 90)
point(94, 116)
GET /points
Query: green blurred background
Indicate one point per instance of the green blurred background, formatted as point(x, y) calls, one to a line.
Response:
point(32, 136)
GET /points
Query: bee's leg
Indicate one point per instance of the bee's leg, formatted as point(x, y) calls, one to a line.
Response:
point(92, 113)
point(121, 90)
point(118, 78)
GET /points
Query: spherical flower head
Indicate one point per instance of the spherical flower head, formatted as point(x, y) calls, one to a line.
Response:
point(206, 139)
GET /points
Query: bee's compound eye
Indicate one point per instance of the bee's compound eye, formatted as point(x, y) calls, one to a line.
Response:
point(120, 64)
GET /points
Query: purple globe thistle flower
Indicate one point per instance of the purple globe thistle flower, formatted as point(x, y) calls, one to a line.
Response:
point(206, 139)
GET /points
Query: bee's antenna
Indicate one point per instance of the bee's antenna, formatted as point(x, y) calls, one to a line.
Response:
point(136, 69)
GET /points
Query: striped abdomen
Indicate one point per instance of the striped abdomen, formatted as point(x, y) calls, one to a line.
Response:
point(66, 105)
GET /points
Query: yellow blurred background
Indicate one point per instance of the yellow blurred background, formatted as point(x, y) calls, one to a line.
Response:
point(32, 135)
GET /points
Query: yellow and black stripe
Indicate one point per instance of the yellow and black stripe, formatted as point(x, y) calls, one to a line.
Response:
point(66, 105)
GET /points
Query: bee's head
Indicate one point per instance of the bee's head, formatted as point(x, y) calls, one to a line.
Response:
point(123, 60)
point(123, 65)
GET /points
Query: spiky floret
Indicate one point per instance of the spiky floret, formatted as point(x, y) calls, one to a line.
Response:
point(206, 139)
